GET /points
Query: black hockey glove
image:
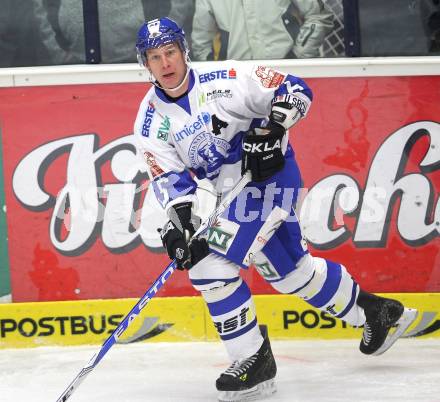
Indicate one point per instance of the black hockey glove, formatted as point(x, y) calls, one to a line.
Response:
point(262, 152)
point(176, 237)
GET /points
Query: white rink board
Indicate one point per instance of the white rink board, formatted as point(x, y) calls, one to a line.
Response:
point(305, 68)
point(308, 371)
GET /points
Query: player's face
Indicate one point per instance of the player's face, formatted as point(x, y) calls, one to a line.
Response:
point(167, 64)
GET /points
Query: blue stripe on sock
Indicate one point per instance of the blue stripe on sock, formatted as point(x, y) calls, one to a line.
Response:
point(352, 301)
point(208, 281)
point(240, 332)
point(237, 299)
point(330, 286)
point(303, 286)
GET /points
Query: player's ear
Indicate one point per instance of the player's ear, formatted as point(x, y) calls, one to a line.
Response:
point(146, 62)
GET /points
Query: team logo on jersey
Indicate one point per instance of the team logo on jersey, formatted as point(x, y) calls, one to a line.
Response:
point(148, 119)
point(164, 129)
point(202, 121)
point(217, 94)
point(268, 77)
point(208, 152)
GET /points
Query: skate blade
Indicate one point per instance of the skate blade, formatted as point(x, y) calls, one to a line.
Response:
point(260, 391)
point(407, 318)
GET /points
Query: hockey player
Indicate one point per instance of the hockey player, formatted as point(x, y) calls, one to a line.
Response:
point(217, 122)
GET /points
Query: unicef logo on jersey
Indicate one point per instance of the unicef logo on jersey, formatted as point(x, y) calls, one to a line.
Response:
point(202, 120)
point(208, 153)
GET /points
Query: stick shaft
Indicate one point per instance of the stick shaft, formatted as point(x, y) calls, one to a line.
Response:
point(149, 294)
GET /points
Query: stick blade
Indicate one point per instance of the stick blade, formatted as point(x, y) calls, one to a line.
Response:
point(75, 383)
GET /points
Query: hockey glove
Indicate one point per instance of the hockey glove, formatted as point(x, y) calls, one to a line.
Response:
point(176, 237)
point(262, 152)
point(287, 110)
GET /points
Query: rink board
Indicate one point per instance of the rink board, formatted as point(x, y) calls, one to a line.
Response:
point(180, 319)
point(363, 133)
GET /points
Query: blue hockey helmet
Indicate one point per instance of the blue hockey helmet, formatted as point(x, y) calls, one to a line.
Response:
point(159, 32)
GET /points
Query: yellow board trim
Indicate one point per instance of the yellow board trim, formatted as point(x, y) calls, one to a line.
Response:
point(180, 319)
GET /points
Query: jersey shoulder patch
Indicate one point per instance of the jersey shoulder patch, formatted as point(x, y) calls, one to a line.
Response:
point(267, 76)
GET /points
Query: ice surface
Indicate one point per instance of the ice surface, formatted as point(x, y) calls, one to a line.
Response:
point(182, 372)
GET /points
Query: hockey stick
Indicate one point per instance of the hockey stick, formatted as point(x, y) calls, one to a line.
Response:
point(150, 293)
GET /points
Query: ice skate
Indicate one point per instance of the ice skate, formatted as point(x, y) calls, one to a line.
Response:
point(249, 379)
point(386, 321)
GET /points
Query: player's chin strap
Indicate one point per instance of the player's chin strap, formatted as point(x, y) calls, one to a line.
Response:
point(156, 83)
point(150, 293)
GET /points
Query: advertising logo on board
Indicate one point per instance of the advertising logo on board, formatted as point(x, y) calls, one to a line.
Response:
point(93, 206)
point(75, 187)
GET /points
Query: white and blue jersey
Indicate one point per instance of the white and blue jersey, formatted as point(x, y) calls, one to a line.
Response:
point(200, 134)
